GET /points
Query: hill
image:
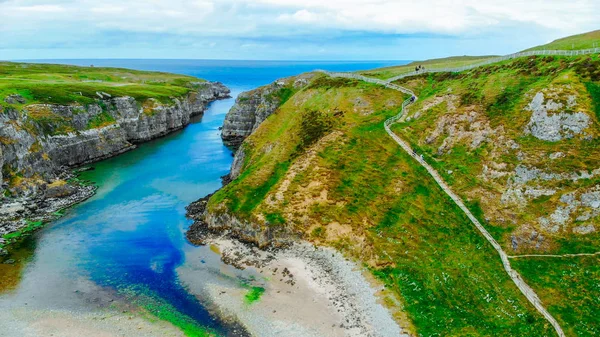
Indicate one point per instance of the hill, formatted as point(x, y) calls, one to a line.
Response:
point(517, 140)
point(575, 42)
point(447, 62)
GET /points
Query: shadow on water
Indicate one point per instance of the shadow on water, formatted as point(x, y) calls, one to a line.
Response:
point(13, 264)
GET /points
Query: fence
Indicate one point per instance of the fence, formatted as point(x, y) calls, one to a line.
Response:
point(499, 59)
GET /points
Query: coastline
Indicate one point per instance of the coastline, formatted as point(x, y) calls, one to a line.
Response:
point(305, 290)
point(23, 215)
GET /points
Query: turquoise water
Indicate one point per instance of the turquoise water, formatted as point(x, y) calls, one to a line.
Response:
point(129, 238)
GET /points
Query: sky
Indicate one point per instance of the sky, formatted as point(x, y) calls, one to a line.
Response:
point(285, 29)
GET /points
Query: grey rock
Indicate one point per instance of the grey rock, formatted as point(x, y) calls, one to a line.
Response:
point(15, 99)
point(557, 125)
point(39, 151)
point(60, 191)
point(584, 229)
point(238, 162)
point(250, 110)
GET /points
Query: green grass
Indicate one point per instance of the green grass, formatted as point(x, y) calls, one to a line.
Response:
point(594, 90)
point(31, 227)
point(101, 120)
point(62, 84)
point(254, 294)
point(448, 278)
point(569, 288)
point(449, 62)
point(580, 41)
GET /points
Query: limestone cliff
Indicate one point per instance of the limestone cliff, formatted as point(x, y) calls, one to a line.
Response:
point(39, 142)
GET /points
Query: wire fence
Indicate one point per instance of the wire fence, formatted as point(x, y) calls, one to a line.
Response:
point(384, 83)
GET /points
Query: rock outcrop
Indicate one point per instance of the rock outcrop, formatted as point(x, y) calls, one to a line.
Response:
point(250, 110)
point(224, 223)
point(548, 121)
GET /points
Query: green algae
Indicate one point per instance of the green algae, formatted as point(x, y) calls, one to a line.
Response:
point(254, 294)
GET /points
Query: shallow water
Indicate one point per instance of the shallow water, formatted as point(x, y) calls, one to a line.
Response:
point(126, 242)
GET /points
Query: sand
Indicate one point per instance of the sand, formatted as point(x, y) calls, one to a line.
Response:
point(309, 291)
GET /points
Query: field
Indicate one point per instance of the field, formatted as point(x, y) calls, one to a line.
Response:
point(62, 84)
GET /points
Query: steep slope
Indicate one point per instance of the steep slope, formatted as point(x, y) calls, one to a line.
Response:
point(57, 117)
point(519, 141)
point(322, 168)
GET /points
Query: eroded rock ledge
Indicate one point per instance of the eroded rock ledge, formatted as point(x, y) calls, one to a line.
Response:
point(228, 225)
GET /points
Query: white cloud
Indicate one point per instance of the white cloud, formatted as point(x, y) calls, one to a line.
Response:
point(41, 8)
point(38, 23)
point(439, 16)
point(301, 16)
point(263, 17)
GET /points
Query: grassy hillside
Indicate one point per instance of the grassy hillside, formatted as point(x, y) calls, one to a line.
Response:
point(580, 41)
point(63, 84)
point(448, 62)
point(569, 287)
point(473, 127)
point(323, 166)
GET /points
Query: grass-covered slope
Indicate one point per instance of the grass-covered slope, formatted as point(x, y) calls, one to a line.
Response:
point(448, 62)
point(323, 166)
point(478, 128)
point(575, 42)
point(536, 191)
point(569, 287)
point(64, 84)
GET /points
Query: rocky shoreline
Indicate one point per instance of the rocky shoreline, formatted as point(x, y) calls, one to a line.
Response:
point(207, 224)
point(307, 291)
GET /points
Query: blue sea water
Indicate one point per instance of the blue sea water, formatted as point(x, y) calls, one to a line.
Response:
point(130, 236)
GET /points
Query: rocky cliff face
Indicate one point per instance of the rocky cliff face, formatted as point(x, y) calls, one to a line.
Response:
point(250, 110)
point(42, 138)
point(253, 107)
point(222, 223)
point(39, 142)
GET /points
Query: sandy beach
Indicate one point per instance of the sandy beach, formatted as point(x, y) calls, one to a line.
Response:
point(308, 291)
point(46, 323)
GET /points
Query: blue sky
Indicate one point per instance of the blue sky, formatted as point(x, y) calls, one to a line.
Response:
point(285, 29)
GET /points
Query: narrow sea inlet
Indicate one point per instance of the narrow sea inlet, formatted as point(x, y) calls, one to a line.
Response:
point(112, 261)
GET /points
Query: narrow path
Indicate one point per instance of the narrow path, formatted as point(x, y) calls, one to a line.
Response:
point(513, 274)
point(550, 255)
